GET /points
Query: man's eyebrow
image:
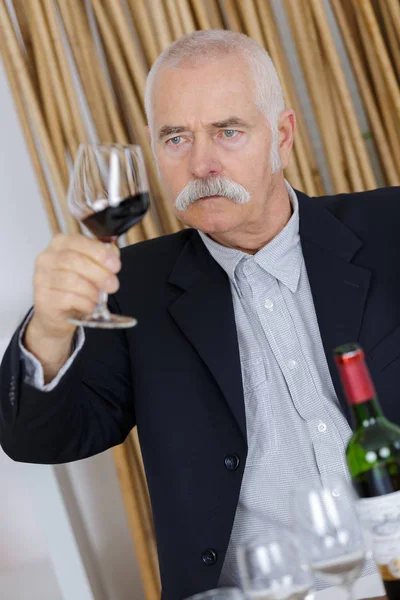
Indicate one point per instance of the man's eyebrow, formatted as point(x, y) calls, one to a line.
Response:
point(231, 121)
point(167, 130)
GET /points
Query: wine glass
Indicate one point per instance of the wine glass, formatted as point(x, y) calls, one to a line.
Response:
point(273, 568)
point(326, 521)
point(108, 193)
point(219, 594)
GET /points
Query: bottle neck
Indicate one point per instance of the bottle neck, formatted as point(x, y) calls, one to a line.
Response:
point(365, 413)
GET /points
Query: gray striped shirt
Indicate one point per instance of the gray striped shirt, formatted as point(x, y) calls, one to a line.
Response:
point(295, 427)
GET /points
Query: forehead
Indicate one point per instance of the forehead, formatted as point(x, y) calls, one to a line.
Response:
point(206, 92)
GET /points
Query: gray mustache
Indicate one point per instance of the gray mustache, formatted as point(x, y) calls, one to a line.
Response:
point(211, 186)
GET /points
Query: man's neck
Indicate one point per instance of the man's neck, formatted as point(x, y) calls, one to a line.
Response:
point(251, 238)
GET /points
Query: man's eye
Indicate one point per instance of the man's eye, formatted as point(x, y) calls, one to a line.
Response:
point(229, 133)
point(175, 140)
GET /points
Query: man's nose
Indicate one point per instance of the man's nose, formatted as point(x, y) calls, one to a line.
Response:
point(204, 161)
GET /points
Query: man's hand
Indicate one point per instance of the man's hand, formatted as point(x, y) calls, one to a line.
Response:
point(68, 277)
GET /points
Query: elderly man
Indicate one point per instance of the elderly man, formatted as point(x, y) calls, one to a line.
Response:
point(229, 375)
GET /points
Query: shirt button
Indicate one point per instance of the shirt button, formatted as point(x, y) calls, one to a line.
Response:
point(292, 364)
point(269, 304)
point(209, 557)
point(321, 427)
point(232, 462)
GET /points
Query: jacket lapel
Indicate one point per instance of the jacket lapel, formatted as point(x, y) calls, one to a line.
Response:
point(204, 313)
point(339, 288)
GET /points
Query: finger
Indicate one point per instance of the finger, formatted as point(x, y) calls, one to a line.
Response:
point(69, 281)
point(99, 276)
point(94, 249)
point(64, 303)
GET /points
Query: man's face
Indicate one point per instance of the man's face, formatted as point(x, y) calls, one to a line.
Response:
point(206, 124)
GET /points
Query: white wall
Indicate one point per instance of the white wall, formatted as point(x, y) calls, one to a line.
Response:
point(30, 535)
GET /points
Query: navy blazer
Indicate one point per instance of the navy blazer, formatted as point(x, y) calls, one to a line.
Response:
point(177, 375)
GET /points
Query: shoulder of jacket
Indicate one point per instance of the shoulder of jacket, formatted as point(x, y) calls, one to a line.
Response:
point(370, 200)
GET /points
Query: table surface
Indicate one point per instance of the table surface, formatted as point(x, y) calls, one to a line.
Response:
point(370, 587)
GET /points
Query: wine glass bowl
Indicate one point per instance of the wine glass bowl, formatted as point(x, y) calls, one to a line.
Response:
point(108, 194)
point(273, 568)
point(327, 522)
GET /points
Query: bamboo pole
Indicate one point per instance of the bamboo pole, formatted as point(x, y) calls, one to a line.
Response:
point(393, 8)
point(386, 158)
point(169, 221)
point(162, 31)
point(29, 138)
point(214, 14)
point(202, 16)
point(21, 12)
point(146, 228)
point(126, 471)
point(251, 21)
point(65, 71)
point(93, 82)
point(312, 183)
point(392, 32)
point(143, 492)
point(382, 95)
point(378, 44)
point(350, 163)
point(57, 83)
point(144, 26)
point(174, 19)
point(27, 89)
point(133, 57)
point(146, 507)
point(344, 94)
point(50, 109)
point(186, 15)
point(231, 15)
point(315, 77)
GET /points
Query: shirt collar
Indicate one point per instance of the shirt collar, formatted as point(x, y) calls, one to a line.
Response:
point(281, 257)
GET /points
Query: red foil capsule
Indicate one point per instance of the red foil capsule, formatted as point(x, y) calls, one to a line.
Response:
point(354, 374)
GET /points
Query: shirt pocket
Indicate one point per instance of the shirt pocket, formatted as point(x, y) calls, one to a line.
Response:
point(259, 418)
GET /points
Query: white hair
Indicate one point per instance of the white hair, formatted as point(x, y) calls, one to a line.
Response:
point(202, 46)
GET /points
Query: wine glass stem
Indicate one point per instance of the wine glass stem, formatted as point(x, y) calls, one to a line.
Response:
point(101, 311)
point(348, 591)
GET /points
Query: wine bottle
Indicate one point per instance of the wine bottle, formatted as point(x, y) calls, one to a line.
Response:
point(373, 459)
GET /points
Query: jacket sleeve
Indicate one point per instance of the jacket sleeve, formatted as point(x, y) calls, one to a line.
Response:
point(33, 370)
point(90, 410)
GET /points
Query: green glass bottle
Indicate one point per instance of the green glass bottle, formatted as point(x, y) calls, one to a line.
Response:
point(373, 459)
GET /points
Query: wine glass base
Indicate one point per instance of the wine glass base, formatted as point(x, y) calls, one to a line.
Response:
point(112, 322)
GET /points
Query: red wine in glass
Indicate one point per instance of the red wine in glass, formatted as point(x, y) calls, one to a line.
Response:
point(113, 221)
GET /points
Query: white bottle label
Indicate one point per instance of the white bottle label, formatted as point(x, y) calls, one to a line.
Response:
point(381, 518)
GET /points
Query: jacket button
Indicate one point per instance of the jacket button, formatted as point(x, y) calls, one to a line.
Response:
point(232, 462)
point(209, 557)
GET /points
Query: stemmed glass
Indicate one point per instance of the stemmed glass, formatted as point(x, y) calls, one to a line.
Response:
point(273, 568)
point(219, 594)
point(327, 523)
point(108, 194)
